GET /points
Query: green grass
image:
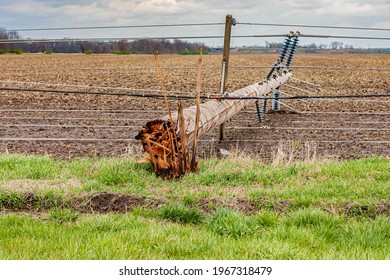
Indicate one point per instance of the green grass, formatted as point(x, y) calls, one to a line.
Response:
point(232, 209)
point(123, 52)
point(181, 214)
point(188, 52)
point(16, 51)
point(130, 236)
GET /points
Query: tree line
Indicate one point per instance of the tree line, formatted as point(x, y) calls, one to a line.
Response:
point(69, 45)
point(332, 46)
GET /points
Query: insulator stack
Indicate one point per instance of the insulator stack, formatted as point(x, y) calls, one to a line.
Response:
point(261, 110)
point(276, 100)
point(258, 111)
point(265, 102)
point(292, 51)
point(283, 52)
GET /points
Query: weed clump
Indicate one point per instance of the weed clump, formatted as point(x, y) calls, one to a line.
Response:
point(63, 215)
point(182, 214)
point(232, 223)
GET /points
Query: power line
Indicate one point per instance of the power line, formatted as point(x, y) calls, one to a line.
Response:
point(194, 68)
point(184, 97)
point(314, 26)
point(109, 69)
point(343, 37)
point(345, 113)
point(298, 140)
point(301, 96)
point(317, 67)
point(198, 24)
point(349, 122)
point(200, 140)
point(107, 111)
point(96, 87)
point(312, 128)
point(158, 96)
point(70, 126)
point(297, 88)
point(19, 41)
point(71, 119)
point(116, 26)
point(71, 139)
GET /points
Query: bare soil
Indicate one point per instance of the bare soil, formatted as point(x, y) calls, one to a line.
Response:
point(105, 202)
point(75, 125)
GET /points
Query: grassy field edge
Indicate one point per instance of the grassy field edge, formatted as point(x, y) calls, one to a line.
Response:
point(232, 209)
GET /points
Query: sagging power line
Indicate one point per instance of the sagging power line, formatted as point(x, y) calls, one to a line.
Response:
point(314, 26)
point(58, 40)
point(197, 24)
point(115, 26)
point(205, 97)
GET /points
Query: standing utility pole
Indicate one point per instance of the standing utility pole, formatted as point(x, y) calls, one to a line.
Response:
point(225, 63)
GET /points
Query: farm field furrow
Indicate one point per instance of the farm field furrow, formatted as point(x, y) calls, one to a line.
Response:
point(74, 125)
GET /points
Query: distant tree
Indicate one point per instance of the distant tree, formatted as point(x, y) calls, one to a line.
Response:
point(336, 45)
point(68, 45)
point(8, 35)
point(123, 46)
point(97, 48)
point(273, 45)
point(323, 46)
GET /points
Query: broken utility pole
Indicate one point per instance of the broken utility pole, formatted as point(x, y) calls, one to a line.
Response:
point(155, 135)
point(165, 141)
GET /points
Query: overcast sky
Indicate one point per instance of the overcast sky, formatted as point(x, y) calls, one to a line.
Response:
point(71, 13)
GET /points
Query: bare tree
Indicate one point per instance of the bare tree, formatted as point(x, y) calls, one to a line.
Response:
point(336, 45)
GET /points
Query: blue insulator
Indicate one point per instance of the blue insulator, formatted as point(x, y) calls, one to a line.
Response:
point(285, 49)
point(276, 100)
point(261, 111)
point(292, 51)
point(258, 111)
point(265, 106)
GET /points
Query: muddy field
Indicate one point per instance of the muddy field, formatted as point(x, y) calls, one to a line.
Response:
point(72, 125)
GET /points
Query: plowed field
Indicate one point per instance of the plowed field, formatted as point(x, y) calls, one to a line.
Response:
point(72, 125)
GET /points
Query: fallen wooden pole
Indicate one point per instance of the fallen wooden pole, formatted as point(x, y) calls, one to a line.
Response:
point(212, 114)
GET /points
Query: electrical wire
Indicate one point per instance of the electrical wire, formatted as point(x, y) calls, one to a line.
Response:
point(197, 24)
point(313, 128)
point(115, 27)
point(70, 126)
point(110, 69)
point(193, 68)
point(314, 26)
point(317, 67)
point(70, 119)
point(97, 93)
point(106, 111)
point(343, 37)
point(71, 139)
point(95, 87)
point(298, 141)
point(184, 97)
point(19, 41)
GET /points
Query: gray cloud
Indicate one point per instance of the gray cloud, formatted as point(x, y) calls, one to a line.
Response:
point(42, 13)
